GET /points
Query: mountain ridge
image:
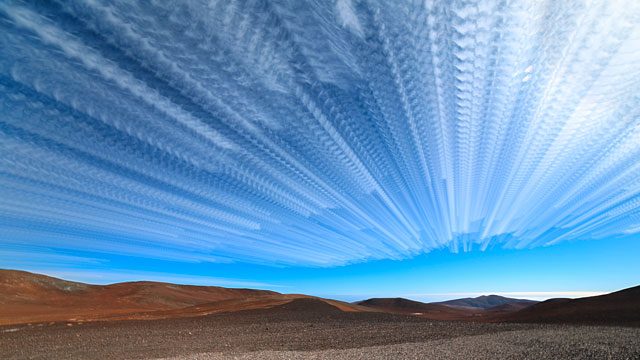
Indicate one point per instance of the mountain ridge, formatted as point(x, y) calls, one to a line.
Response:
point(485, 301)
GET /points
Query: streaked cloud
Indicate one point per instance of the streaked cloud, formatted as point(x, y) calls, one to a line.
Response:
point(316, 133)
point(11, 259)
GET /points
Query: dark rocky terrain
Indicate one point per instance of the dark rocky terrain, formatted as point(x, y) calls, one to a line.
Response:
point(48, 318)
point(313, 329)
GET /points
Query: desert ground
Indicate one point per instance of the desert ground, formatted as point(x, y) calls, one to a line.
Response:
point(311, 329)
point(48, 318)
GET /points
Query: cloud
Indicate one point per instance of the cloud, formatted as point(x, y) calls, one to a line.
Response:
point(348, 17)
point(235, 131)
point(13, 259)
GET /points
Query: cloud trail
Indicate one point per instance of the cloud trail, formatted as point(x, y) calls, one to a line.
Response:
point(316, 134)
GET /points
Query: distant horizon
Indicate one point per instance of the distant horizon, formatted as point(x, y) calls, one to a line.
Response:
point(348, 148)
point(561, 270)
point(535, 295)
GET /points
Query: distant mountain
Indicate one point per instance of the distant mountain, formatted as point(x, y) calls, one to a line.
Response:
point(617, 308)
point(620, 308)
point(410, 307)
point(398, 304)
point(486, 301)
point(26, 297)
point(510, 307)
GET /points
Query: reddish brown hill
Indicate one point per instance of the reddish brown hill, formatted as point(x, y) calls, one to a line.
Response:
point(27, 297)
point(617, 308)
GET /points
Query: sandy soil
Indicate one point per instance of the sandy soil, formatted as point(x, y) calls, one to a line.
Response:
point(309, 329)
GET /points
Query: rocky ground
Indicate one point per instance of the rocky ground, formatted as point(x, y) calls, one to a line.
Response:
point(314, 333)
point(546, 343)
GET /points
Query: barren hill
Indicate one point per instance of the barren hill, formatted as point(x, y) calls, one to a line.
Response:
point(486, 301)
point(27, 297)
point(31, 298)
point(431, 311)
point(617, 308)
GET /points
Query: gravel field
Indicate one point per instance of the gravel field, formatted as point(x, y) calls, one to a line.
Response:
point(553, 343)
point(308, 335)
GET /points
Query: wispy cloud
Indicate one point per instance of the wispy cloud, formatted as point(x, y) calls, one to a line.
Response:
point(360, 135)
point(9, 258)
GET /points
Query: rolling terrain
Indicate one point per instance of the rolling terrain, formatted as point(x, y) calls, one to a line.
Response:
point(45, 317)
point(308, 328)
point(416, 308)
point(31, 298)
point(483, 308)
point(620, 308)
point(617, 308)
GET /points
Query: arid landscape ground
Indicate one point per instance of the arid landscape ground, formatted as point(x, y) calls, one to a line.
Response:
point(48, 318)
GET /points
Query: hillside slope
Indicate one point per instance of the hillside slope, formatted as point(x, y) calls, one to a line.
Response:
point(26, 298)
point(617, 308)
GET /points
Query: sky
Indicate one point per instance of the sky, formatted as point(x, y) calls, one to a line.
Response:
point(346, 149)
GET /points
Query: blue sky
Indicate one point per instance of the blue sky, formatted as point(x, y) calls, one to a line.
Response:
point(340, 148)
point(570, 269)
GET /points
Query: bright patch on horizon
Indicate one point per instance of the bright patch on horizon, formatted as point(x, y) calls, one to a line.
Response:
point(316, 133)
point(519, 294)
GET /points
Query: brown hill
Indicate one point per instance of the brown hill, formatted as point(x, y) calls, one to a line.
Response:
point(510, 307)
point(306, 305)
point(431, 311)
point(617, 308)
point(486, 301)
point(27, 297)
point(397, 304)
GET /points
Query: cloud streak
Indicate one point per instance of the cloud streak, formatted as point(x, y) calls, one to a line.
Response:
point(295, 133)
